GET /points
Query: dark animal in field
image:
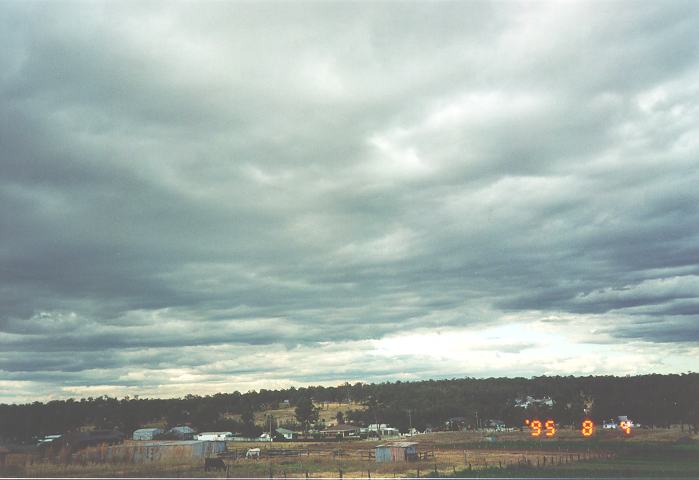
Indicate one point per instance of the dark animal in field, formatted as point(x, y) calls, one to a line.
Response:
point(214, 464)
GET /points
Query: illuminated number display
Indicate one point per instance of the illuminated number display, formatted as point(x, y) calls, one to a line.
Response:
point(537, 428)
point(549, 429)
point(625, 427)
point(588, 428)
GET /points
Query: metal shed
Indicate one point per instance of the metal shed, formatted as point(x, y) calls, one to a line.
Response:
point(396, 452)
point(164, 450)
point(147, 433)
point(182, 432)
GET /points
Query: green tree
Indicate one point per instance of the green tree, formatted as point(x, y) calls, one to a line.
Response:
point(306, 412)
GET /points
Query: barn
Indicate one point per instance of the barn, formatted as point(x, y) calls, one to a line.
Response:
point(396, 452)
point(147, 433)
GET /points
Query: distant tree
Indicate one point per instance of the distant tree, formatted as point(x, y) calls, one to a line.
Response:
point(306, 413)
point(249, 429)
point(340, 417)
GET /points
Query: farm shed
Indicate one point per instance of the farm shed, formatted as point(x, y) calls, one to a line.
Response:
point(342, 430)
point(163, 450)
point(147, 433)
point(396, 452)
point(182, 432)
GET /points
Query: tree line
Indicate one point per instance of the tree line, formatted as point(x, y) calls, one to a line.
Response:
point(653, 400)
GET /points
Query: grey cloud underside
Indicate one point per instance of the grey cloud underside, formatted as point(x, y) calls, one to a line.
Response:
point(250, 174)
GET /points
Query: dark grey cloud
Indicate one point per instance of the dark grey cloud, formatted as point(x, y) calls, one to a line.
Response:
point(246, 178)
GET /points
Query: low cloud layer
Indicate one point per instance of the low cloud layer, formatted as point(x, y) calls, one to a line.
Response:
point(242, 195)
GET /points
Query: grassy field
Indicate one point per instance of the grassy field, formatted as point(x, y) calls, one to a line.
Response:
point(647, 453)
point(328, 413)
point(667, 462)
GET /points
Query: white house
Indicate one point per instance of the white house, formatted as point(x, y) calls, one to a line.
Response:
point(213, 436)
point(383, 430)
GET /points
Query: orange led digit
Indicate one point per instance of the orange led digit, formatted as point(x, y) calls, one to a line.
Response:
point(550, 428)
point(535, 425)
point(625, 427)
point(588, 428)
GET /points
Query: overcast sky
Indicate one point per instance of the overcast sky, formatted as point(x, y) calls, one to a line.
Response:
point(204, 197)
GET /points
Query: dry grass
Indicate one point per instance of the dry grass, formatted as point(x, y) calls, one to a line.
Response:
point(328, 413)
point(451, 449)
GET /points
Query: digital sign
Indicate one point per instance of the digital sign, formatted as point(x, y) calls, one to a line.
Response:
point(547, 428)
point(588, 428)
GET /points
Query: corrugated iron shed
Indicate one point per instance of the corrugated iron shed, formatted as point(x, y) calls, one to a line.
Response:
point(396, 452)
point(156, 451)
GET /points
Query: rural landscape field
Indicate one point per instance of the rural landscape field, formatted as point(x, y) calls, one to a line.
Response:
point(284, 434)
point(276, 239)
point(663, 452)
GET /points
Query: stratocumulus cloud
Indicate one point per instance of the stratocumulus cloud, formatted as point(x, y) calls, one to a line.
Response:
point(200, 198)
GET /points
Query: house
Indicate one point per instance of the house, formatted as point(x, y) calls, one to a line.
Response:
point(530, 401)
point(182, 432)
point(284, 404)
point(286, 433)
point(215, 436)
point(147, 433)
point(396, 452)
point(343, 430)
point(382, 430)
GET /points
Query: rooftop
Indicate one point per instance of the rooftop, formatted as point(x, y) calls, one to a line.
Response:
point(398, 444)
point(341, 428)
